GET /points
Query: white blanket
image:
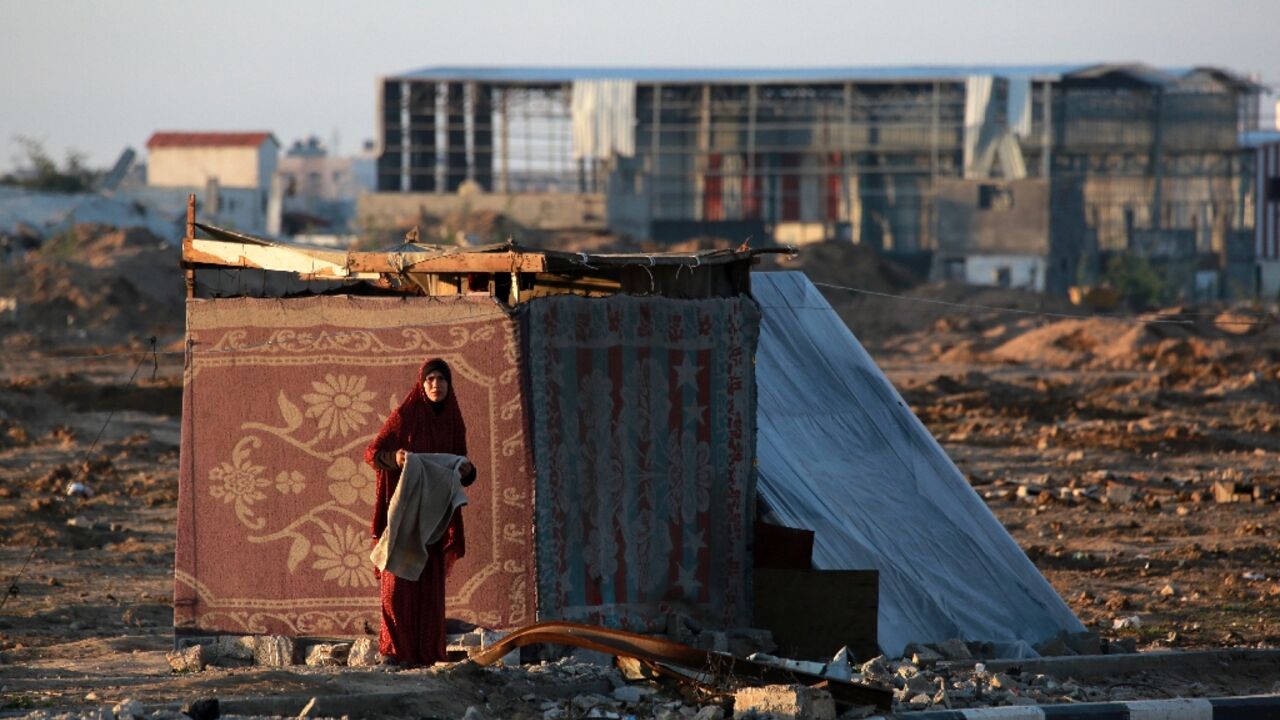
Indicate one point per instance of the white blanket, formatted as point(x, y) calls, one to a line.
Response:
point(429, 491)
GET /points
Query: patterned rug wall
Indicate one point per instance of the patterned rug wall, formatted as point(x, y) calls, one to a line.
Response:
point(643, 424)
point(281, 398)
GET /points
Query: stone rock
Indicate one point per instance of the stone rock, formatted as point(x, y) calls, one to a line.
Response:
point(1054, 647)
point(473, 713)
point(633, 669)
point(628, 694)
point(1084, 643)
point(954, 649)
point(126, 709)
point(328, 654)
point(1119, 493)
point(203, 709)
point(792, 702)
point(586, 702)
point(923, 700)
point(1169, 590)
point(274, 651)
point(681, 628)
point(919, 684)
point(188, 659)
point(877, 668)
point(710, 712)
point(1004, 682)
point(363, 653)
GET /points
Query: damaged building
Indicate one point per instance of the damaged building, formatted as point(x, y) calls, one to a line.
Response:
point(1018, 176)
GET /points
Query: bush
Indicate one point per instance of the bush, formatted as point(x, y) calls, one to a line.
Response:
point(1139, 284)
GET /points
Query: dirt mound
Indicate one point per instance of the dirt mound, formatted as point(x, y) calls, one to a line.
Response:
point(96, 282)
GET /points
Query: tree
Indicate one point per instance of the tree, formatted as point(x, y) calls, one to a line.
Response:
point(40, 172)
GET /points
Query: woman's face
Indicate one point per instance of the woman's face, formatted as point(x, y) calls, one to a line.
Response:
point(436, 386)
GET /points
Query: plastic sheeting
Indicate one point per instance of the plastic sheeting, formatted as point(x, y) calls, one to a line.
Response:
point(603, 114)
point(842, 454)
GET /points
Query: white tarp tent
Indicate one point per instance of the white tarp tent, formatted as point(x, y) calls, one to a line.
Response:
point(841, 453)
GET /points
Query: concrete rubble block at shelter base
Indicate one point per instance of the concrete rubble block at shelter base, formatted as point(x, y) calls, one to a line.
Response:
point(188, 659)
point(230, 650)
point(363, 653)
point(328, 654)
point(786, 702)
point(274, 651)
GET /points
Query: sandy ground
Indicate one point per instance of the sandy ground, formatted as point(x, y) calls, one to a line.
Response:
point(1097, 444)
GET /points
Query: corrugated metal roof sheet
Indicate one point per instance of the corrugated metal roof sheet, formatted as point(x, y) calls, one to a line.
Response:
point(565, 74)
point(166, 138)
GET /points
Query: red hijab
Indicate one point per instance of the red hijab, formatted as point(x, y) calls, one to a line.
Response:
point(418, 425)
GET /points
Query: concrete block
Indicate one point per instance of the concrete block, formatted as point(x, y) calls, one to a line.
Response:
point(274, 651)
point(786, 702)
point(364, 653)
point(230, 650)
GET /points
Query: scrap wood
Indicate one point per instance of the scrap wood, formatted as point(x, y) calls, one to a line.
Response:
point(664, 655)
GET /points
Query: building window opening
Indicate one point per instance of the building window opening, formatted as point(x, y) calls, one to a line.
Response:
point(994, 197)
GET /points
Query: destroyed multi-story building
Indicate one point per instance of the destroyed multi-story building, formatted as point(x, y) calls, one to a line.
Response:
point(1020, 176)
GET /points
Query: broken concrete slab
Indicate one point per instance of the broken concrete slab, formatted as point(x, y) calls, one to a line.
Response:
point(786, 702)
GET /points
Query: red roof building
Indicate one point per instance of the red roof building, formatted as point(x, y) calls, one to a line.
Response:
point(165, 138)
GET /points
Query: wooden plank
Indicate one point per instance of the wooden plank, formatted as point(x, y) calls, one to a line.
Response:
point(338, 264)
point(460, 263)
point(320, 264)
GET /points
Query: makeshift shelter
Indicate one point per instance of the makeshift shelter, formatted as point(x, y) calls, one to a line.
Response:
point(602, 425)
point(611, 402)
point(842, 454)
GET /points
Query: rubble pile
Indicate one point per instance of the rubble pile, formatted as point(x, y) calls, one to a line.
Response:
point(92, 283)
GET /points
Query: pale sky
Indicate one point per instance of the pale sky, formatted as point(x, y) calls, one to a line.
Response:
point(98, 76)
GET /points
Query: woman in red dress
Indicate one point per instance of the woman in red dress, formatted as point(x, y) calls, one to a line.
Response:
point(428, 421)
